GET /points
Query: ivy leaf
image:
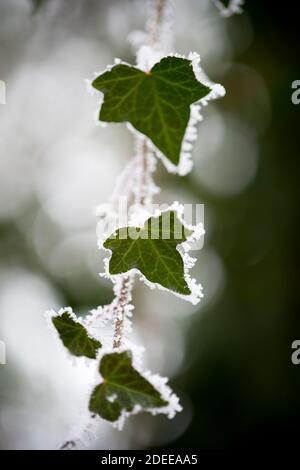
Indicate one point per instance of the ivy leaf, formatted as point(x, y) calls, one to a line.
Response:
point(157, 103)
point(152, 250)
point(122, 388)
point(74, 336)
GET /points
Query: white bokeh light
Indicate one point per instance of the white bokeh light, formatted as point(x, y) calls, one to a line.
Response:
point(225, 155)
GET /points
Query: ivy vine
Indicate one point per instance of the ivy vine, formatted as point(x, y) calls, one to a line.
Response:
point(160, 99)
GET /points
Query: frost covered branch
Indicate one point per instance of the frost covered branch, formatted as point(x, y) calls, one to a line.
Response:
point(141, 185)
point(121, 308)
point(171, 89)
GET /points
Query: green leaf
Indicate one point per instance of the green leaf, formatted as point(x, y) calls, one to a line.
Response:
point(75, 337)
point(156, 103)
point(152, 250)
point(122, 388)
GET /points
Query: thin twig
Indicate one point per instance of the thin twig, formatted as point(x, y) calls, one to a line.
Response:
point(119, 308)
point(159, 7)
point(68, 445)
point(78, 442)
point(124, 295)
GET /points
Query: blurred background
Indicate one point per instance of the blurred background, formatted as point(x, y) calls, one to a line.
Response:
point(229, 358)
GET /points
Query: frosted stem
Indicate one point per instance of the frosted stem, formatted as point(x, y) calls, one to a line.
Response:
point(158, 10)
point(68, 445)
point(122, 299)
point(83, 436)
point(141, 194)
point(145, 187)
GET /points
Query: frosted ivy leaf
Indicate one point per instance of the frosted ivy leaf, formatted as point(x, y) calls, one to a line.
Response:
point(123, 388)
point(156, 102)
point(73, 334)
point(158, 251)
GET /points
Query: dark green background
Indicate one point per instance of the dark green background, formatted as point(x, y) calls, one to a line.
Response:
point(243, 385)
